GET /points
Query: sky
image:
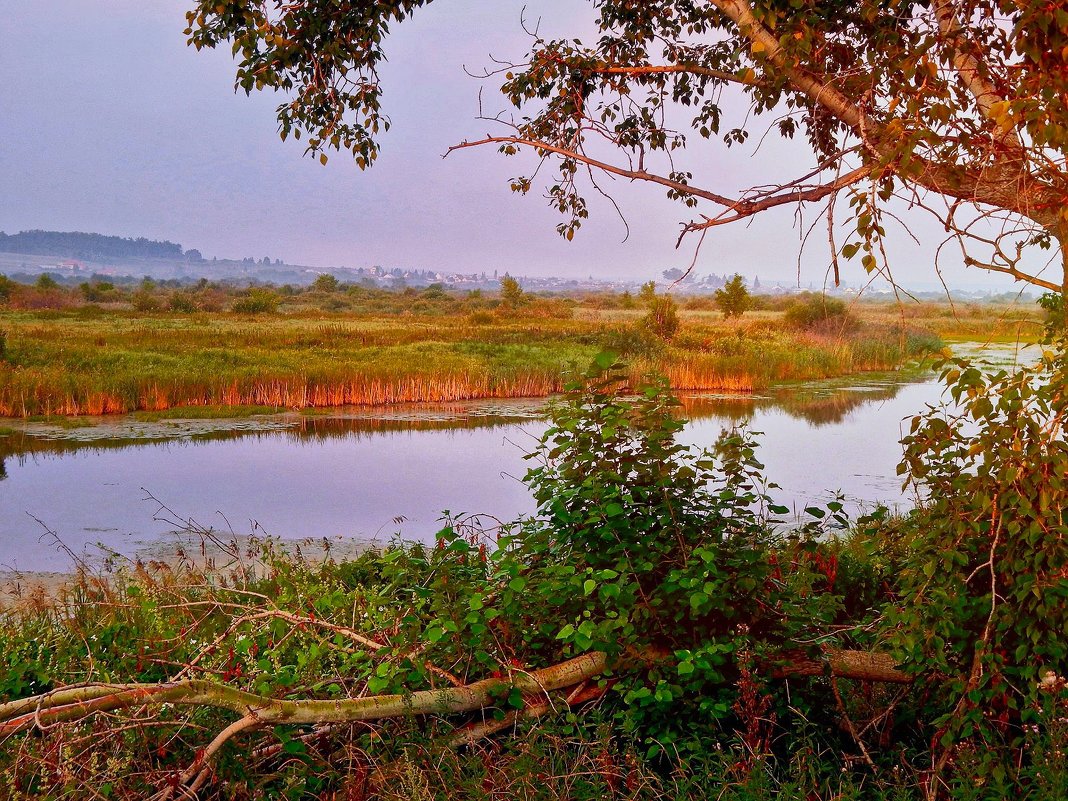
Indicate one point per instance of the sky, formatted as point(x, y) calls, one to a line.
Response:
point(110, 123)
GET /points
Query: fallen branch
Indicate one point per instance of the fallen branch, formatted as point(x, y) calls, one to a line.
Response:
point(858, 665)
point(75, 703)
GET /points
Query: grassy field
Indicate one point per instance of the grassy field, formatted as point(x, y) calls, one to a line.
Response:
point(91, 359)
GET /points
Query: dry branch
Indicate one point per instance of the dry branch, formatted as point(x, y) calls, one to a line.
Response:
point(74, 703)
point(79, 702)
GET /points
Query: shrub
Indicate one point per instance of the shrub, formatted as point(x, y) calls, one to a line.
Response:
point(1053, 304)
point(662, 319)
point(818, 311)
point(511, 293)
point(326, 283)
point(983, 612)
point(144, 300)
point(257, 301)
point(733, 300)
point(46, 282)
point(182, 302)
point(97, 291)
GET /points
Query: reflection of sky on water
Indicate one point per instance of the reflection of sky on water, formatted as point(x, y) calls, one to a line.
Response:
point(857, 454)
point(351, 487)
point(351, 474)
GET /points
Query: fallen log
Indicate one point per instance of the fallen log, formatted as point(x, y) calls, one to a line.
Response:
point(857, 665)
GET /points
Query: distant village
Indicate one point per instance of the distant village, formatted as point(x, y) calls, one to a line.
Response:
point(74, 257)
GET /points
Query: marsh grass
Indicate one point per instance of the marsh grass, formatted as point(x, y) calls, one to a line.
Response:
point(202, 365)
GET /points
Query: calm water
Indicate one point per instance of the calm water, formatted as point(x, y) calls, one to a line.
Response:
point(365, 474)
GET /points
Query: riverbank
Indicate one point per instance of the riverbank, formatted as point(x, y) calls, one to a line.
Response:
point(90, 362)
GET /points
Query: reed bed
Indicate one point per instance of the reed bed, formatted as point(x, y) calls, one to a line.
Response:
point(63, 363)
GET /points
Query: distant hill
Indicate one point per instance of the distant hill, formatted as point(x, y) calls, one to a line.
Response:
point(79, 245)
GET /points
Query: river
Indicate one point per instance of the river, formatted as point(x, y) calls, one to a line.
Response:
point(360, 474)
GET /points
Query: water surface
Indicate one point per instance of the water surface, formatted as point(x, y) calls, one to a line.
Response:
point(367, 473)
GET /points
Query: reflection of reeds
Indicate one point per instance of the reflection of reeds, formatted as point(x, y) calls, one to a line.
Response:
point(818, 407)
point(22, 445)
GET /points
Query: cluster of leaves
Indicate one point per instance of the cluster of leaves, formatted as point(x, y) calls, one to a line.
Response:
point(983, 613)
point(325, 52)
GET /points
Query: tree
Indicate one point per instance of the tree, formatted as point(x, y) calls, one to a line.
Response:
point(326, 283)
point(952, 106)
point(511, 292)
point(733, 300)
point(647, 293)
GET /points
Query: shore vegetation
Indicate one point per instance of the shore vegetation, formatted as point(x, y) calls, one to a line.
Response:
point(153, 348)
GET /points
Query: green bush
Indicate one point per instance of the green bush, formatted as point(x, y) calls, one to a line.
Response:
point(983, 608)
point(144, 299)
point(182, 302)
point(257, 301)
point(819, 311)
point(662, 319)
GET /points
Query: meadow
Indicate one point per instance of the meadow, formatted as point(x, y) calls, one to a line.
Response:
point(64, 354)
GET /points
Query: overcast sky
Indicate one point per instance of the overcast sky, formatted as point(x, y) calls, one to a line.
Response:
point(110, 123)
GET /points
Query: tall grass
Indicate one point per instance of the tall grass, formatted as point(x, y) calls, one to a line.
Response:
point(69, 363)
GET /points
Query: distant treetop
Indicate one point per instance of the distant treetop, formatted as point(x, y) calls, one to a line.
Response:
point(79, 245)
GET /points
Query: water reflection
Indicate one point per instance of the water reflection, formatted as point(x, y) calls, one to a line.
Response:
point(363, 473)
point(819, 405)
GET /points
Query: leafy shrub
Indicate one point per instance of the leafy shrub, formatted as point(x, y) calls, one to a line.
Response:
point(1053, 304)
point(733, 299)
point(662, 319)
point(98, 291)
point(983, 612)
point(144, 300)
point(326, 283)
point(257, 301)
point(46, 282)
point(819, 311)
point(182, 302)
point(643, 543)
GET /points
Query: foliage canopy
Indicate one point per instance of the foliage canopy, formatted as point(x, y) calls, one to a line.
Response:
point(956, 106)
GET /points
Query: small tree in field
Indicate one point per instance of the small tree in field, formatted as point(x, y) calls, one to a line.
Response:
point(326, 283)
point(733, 300)
point(663, 317)
point(511, 292)
point(647, 294)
